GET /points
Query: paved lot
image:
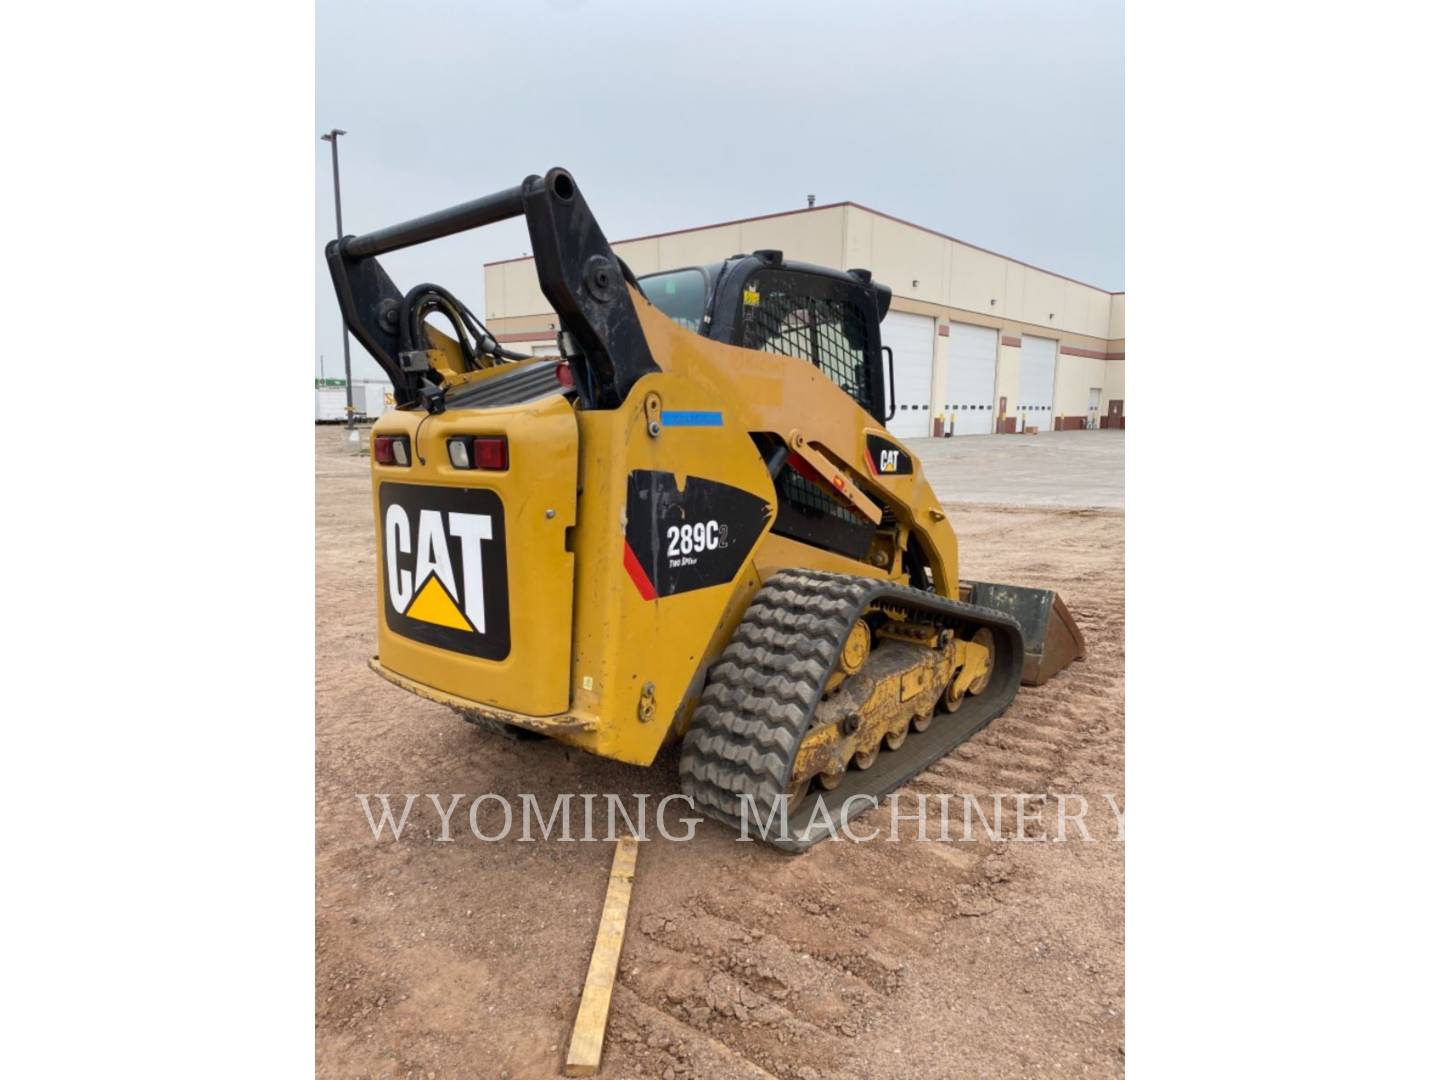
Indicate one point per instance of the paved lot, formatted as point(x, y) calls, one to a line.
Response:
point(1059, 468)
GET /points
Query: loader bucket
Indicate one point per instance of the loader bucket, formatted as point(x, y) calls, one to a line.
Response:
point(1052, 640)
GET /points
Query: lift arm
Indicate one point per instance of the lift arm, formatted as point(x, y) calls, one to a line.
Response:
point(579, 274)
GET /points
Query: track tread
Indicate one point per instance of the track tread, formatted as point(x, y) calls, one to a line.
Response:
point(758, 701)
point(761, 694)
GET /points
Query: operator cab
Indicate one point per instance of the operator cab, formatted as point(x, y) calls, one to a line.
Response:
point(759, 301)
point(827, 317)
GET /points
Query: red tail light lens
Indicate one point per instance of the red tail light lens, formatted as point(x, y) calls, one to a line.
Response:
point(392, 450)
point(480, 452)
point(491, 452)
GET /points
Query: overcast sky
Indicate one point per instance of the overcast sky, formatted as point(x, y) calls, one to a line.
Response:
point(1000, 122)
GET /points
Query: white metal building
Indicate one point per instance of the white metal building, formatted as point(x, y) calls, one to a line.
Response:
point(983, 343)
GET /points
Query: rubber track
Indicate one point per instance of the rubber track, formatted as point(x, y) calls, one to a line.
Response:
point(762, 693)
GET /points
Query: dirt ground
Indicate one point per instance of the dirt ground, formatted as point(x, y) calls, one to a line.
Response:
point(980, 958)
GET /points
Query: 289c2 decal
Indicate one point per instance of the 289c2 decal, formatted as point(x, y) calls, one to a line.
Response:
point(677, 541)
point(702, 536)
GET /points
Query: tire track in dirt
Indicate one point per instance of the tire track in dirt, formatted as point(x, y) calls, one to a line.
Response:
point(787, 980)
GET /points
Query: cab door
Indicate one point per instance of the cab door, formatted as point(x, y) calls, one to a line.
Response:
point(829, 321)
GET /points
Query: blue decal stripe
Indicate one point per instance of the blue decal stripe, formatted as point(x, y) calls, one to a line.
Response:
point(684, 418)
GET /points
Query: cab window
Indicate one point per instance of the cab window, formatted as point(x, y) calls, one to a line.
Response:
point(790, 314)
point(679, 294)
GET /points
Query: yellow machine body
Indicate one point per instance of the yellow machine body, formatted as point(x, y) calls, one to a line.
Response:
point(690, 523)
point(592, 662)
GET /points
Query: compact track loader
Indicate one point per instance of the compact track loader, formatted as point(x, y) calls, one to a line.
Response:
point(689, 523)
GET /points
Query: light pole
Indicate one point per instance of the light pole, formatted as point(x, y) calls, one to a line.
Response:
point(333, 138)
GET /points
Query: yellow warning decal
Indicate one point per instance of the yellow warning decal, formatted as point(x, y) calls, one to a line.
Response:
point(751, 296)
point(433, 604)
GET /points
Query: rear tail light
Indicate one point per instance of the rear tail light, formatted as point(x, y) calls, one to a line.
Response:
point(492, 452)
point(392, 450)
point(480, 452)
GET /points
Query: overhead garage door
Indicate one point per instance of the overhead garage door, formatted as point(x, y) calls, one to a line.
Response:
point(970, 378)
point(1037, 382)
point(912, 338)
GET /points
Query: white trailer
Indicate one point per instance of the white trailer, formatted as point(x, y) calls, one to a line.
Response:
point(369, 397)
point(373, 403)
point(329, 404)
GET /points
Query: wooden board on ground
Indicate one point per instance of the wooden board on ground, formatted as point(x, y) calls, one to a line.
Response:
point(588, 1039)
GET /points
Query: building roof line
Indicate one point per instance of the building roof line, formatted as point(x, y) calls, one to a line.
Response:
point(977, 247)
point(834, 206)
point(700, 228)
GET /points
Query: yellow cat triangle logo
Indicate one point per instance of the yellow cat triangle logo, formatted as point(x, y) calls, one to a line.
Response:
point(433, 604)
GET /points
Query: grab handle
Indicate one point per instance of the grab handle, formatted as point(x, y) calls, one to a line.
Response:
point(486, 210)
